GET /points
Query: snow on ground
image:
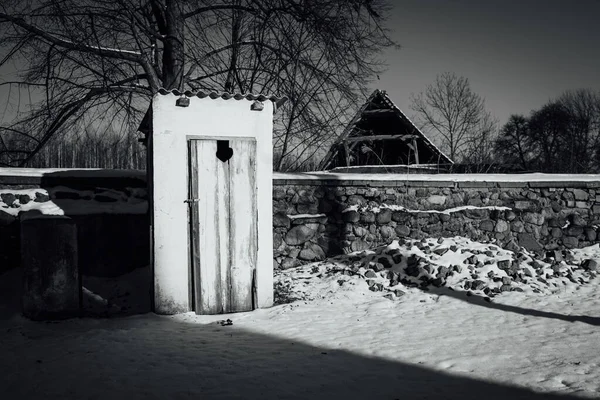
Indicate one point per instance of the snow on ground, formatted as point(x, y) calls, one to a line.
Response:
point(347, 336)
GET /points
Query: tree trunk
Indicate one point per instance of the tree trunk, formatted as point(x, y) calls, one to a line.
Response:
point(173, 46)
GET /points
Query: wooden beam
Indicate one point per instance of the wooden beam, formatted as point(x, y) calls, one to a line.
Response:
point(414, 142)
point(347, 152)
point(381, 137)
point(379, 111)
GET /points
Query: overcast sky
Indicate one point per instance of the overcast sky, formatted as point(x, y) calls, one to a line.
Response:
point(517, 54)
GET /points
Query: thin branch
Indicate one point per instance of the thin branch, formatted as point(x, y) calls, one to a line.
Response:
point(129, 55)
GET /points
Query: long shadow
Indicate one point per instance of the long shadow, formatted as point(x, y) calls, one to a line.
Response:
point(482, 302)
point(110, 210)
point(153, 357)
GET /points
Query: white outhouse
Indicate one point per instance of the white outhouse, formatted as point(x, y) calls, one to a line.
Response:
point(210, 184)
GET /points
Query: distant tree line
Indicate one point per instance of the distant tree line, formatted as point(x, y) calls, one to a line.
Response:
point(563, 136)
point(92, 150)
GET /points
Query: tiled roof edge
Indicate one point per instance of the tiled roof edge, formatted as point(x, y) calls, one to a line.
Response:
point(278, 101)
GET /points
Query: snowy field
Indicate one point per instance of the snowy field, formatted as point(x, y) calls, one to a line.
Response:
point(398, 322)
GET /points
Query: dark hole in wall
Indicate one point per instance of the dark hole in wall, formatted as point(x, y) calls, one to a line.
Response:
point(224, 152)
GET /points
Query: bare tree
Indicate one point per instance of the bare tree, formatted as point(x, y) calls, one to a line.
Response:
point(582, 107)
point(100, 61)
point(453, 114)
point(562, 136)
point(513, 145)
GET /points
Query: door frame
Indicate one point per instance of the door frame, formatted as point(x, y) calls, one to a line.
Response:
point(191, 220)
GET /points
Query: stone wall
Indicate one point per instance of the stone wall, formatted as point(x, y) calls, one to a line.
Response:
point(319, 217)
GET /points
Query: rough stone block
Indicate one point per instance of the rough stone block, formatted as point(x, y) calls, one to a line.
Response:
point(351, 216)
point(528, 241)
point(367, 217)
point(384, 216)
point(312, 252)
point(359, 245)
point(591, 234)
point(402, 230)
point(580, 194)
point(280, 219)
point(501, 226)
point(487, 225)
point(298, 235)
point(570, 242)
point(437, 200)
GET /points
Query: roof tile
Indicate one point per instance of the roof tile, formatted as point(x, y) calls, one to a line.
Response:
point(278, 101)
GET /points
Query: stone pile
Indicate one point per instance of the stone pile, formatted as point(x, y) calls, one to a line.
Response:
point(459, 264)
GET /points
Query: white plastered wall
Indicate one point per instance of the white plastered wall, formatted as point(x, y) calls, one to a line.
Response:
point(171, 128)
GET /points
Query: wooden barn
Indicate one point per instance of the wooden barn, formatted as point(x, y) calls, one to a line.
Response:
point(381, 138)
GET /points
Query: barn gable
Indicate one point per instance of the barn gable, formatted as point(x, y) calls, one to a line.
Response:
point(381, 134)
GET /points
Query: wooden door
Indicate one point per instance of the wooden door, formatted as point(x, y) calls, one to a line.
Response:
point(223, 224)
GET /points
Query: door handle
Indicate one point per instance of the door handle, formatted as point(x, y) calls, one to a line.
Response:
point(189, 201)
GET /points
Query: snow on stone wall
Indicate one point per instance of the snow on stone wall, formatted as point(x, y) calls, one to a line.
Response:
point(319, 215)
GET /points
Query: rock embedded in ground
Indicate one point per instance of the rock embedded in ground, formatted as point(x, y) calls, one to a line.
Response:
point(441, 251)
point(412, 270)
point(443, 272)
point(438, 282)
point(313, 252)
point(385, 262)
point(370, 274)
point(590, 265)
point(376, 287)
point(289, 263)
point(477, 284)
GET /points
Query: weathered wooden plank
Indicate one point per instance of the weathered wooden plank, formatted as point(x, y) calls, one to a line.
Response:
point(244, 226)
point(207, 266)
point(222, 233)
point(416, 149)
point(193, 225)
